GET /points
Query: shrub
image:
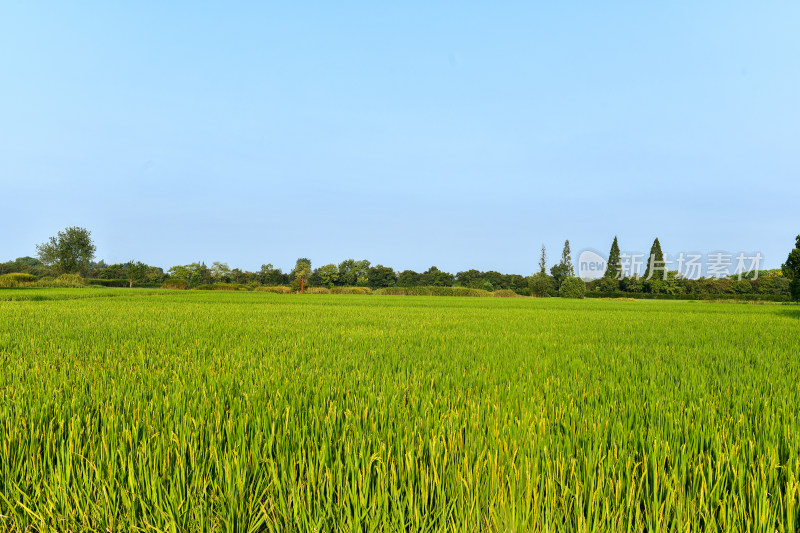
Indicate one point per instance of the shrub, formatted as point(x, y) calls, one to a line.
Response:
point(277, 289)
point(572, 287)
point(175, 284)
point(351, 290)
point(64, 281)
point(317, 290)
point(15, 279)
point(432, 291)
point(505, 293)
point(108, 282)
point(608, 285)
point(221, 287)
point(542, 285)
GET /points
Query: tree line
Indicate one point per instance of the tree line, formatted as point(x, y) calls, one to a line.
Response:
point(72, 252)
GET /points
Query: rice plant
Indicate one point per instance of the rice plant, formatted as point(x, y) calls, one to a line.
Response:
point(251, 411)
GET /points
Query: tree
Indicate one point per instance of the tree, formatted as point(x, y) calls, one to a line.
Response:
point(380, 276)
point(467, 278)
point(543, 261)
point(614, 266)
point(572, 287)
point(563, 269)
point(542, 285)
point(221, 272)
point(194, 274)
point(655, 261)
point(268, 275)
point(301, 273)
point(433, 277)
point(28, 260)
point(135, 271)
point(71, 251)
point(791, 269)
point(361, 271)
point(408, 278)
point(352, 272)
point(559, 273)
point(328, 275)
point(566, 259)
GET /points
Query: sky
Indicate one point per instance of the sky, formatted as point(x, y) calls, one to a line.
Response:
point(456, 134)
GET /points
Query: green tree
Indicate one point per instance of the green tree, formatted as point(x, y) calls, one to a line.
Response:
point(346, 275)
point(655, 261)
point(361, 270)
point(608, 284)
point(572, 287)
point(71, 251)
point(467, 278)
point(301, 273)
point(328, 275)
point(434, 277)
point(559, 273)
point(352, 272)
point(380, 276)
point(408, 278)
point(221, 272)
point(136, 271)
point(564, 269)
point(542, 285)
point(194, 274)
point(543, 261)
point(269, 275)
point(791, 269)
point(614, 266)
point(28, 260)
point(566, 259)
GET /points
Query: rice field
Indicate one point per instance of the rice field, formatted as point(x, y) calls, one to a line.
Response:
point(135, 410)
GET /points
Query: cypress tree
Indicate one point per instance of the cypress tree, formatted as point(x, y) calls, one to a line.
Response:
point(566, 259)
point(614, 268)
point(543, 261)
point(564, 269)
point(656, 258)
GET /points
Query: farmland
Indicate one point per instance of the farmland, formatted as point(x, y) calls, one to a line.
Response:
point(130, 410)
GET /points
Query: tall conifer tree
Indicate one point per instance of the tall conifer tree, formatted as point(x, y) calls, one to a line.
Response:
point(566, 259)
point(543, 261)
point(614, 268)
point(656, 260)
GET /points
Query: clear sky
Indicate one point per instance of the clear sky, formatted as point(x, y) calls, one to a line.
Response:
point(456, 134)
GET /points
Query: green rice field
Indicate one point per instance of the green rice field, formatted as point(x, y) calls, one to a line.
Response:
point(168, 411)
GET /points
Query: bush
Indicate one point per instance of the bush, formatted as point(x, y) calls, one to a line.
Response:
point(64, 281)
point(317, 290)
point(351, 290)
point(16, 279)
point(277, 289)
point(542, 285)
point(108, 282)
point(572, 287)
point(608, 285)
point(221, 287)
point(175, 284)
point(432, 291)
point(505, 293)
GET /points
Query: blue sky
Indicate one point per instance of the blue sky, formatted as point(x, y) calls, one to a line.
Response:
point(461, 135)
